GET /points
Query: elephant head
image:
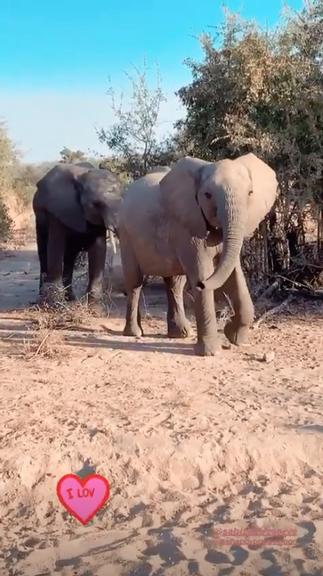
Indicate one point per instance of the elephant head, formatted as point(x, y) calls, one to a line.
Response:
point(228, 195)
point(78, 194)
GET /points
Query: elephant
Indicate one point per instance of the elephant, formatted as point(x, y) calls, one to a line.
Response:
point(74, 205)
point(189, 223)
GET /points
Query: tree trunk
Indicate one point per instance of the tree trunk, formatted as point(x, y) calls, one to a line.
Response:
point(320, 236)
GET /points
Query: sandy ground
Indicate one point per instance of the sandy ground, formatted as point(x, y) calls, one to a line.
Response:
point(190, 445)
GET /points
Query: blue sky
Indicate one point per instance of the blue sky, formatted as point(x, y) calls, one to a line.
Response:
point(56, 58)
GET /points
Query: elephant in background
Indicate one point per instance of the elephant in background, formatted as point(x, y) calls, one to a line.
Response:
point(191, 223)
point(75, 205)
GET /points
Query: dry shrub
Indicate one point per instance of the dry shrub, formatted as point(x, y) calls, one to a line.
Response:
point(67, 315)
point(62, 317)
point(5, 222)
point(47, 325)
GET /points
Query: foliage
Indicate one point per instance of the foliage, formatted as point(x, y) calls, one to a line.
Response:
point(17, 183)
point(261, 91)
point(25, 180)
point(68, 156)
point(116, 165)
point(5, 221)
point(8, 158)
point(132, 138)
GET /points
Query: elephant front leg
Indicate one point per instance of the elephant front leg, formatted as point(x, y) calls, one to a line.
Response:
point(207, 340)
point(177, 323)
point(237, 329)
point(96, 258)
point(52, 286)
point(197, 262)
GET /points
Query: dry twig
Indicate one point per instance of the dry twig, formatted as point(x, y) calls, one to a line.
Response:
point(272, 311)
point(40, 346)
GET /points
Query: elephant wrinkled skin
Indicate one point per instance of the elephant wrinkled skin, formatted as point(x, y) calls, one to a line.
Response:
point(191, 222)
point(74, 205)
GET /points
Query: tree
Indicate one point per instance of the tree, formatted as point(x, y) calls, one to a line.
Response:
point(132, 138)
point(71, 156)
point(25, 180)
point(17, 183)
point(8, 159)
point(5, 221)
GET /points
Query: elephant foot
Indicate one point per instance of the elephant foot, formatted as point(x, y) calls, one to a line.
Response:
point(96, 304)
point(69, 295)
point(236, 334)
point(42, 281)
point(179, 329)
point(206, 348)
point(96, 308)
point(51, 295)
point(133, 330)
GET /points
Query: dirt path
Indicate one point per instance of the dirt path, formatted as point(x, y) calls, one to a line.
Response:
point(188, 444)
point(19, 276)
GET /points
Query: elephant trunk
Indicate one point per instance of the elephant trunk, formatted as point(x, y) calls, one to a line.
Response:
point(232, 213)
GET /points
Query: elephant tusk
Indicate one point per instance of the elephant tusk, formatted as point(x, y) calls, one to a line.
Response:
point(113, 242)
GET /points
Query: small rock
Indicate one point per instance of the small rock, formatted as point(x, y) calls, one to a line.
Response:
point(268, 357)
point(31, 542)
point(226, 346)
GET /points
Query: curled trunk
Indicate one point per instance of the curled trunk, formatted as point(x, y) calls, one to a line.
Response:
point(232, 214)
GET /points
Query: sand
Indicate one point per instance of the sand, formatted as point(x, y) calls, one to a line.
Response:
point(191, 446)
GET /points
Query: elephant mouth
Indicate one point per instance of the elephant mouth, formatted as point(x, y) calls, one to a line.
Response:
point(209, 227)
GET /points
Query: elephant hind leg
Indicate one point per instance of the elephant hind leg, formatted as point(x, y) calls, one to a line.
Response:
point(52, 292)
point(71, 251)
point(177, 323)
point(237, 329)
point(42, 239)
point(133, 278)
point(133, 325)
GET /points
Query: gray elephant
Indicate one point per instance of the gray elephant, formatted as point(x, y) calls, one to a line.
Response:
point(74, 205)
point(191, 222)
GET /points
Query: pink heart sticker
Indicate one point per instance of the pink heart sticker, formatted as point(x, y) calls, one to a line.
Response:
point(83, 497)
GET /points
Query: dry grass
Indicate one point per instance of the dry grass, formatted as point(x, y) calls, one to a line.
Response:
point(45, 343)
point(46, 327)
point(62, 317)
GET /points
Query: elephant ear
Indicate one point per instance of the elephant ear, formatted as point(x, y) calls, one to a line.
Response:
point(57, 194)
point(178, 195)
point(263, 190)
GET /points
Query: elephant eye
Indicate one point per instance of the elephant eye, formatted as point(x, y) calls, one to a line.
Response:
point(208, 195)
